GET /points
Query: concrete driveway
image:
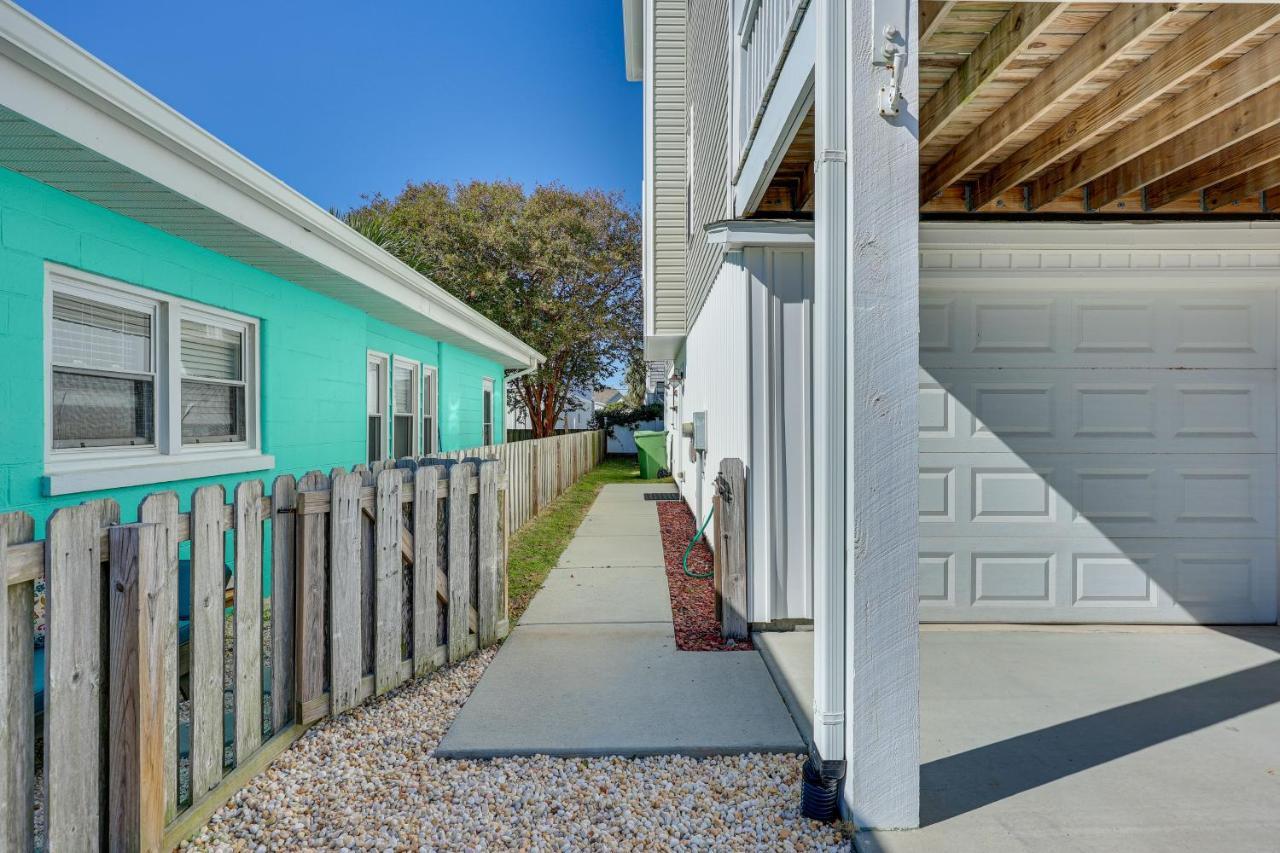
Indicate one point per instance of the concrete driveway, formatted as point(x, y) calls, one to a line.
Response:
point(1097, 739)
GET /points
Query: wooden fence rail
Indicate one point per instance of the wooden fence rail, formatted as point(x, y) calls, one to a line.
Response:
point(154, 711)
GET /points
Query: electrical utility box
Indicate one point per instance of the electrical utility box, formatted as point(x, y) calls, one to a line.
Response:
point(700, 431)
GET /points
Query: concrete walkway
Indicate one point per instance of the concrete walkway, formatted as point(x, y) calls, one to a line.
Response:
point(592, 667)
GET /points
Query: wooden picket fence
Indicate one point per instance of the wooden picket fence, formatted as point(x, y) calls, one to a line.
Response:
point(378, 574)
point(541, 469)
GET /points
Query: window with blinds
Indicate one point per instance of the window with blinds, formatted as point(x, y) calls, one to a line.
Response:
point(430, 440)
point(404, 381)
point(376, 397)
point(135, 373)
point(213, 384)
point(487, 415)
point(103, 384)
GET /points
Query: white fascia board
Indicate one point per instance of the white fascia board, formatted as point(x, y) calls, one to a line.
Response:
point(733, 234)
point(633, 38)
point(54, 82)
point(789, 102)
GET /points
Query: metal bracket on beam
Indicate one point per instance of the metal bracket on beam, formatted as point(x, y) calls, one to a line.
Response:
point(889, 50)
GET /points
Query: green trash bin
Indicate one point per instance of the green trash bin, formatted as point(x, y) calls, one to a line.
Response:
point(651, 448)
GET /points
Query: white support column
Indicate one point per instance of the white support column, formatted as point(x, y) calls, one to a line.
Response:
point(882, 689)
point(829, 417)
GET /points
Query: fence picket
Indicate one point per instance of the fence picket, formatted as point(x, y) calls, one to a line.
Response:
point(487, 542)
point(310, 588)
point(208, 627)
point(368, 572)
point(17, 741)
point(426, 482)
point(459, 558)
point(388, 610)
point(73, 680)
point(139, 688)
point(161, 509)
point(248, 618)
point(284, 493)
point(345, 581)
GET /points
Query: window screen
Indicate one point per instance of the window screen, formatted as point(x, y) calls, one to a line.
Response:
point(103, 383)
point(404, 414)
point(488, 413)
point(429, 412)
point(376, 392)
point(213, 388)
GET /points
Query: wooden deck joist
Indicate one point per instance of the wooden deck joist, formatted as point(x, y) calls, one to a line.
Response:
point(1100, 108)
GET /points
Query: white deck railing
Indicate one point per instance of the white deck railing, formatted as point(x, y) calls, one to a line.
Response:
point(766, 29)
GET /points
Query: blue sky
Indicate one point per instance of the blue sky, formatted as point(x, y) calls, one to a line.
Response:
point(339, 99)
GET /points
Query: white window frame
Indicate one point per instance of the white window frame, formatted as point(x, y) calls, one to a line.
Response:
point(430, 402)
point(415, 412)
point(79, 469)
point(486, 415)
point(383, 360)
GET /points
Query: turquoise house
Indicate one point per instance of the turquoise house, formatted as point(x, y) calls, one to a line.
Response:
point(171, 315)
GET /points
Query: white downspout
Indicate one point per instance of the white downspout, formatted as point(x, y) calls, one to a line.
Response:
point(829, 410)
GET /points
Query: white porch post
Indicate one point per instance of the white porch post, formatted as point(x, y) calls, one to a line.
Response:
point(866, 656)
point(883, 350)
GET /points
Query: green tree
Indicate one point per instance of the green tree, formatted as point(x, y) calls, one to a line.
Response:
point(558, 268)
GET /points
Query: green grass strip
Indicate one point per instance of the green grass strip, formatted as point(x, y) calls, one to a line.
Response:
point(536, 548)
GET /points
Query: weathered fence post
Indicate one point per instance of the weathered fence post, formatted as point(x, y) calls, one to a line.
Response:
point(139, 693)
point(733, 620)
point(388, 619)
point(310, 587)
point(284, 495)
point(248, 617)
point(488, 615)
point(459, 558)
point(74, 679)
point(17, 735)
point(208, 626)
point(161, 509)
point(346, 577)
point(426, 484)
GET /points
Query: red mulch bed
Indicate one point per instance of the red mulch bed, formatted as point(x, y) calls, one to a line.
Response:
point(693, 600)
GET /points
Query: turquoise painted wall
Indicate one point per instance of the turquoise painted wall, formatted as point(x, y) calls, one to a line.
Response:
point(312, 348)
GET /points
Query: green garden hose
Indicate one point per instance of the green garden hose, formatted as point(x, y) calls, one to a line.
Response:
point(689, 550)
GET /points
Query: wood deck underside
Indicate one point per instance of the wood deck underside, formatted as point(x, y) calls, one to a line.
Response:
point(1087, 108)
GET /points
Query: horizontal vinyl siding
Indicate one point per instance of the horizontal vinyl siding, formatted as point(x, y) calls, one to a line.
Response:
point(710, 36)
point(670, 176)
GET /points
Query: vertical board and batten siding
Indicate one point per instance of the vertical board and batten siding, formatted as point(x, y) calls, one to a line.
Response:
point(708, 145)
point(780, 283)
point(668, 181)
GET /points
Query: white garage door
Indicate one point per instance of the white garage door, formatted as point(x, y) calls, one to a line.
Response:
point(1101, 456)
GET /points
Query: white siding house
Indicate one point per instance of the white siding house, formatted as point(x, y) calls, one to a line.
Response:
point(975, 321)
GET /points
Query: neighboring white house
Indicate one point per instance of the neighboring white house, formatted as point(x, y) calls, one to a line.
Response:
point(577, 411)
point(1041, 389)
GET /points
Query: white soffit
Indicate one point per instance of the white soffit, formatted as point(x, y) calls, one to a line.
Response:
point(71, 122)
point(733, 234)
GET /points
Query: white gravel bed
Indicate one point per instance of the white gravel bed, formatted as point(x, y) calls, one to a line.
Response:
point(369, 779)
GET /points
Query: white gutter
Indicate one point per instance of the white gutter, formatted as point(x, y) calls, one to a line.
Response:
point(56, 83)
